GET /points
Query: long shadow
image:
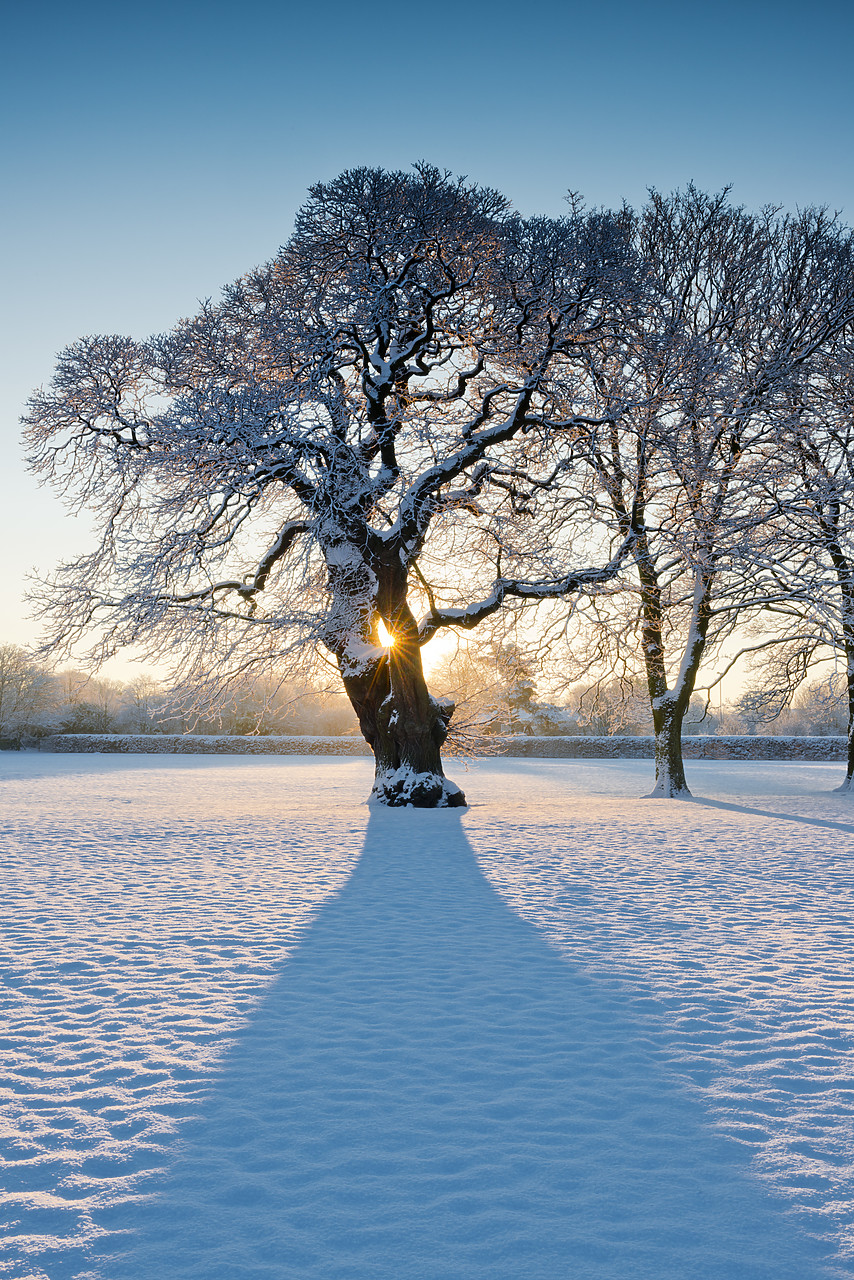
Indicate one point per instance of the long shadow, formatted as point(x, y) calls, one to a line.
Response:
point(429, 1092)
point(767, 813)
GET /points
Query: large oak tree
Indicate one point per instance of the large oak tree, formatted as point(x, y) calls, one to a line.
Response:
point(361, 424)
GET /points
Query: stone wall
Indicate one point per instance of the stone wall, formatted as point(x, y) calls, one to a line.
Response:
point(708, 747)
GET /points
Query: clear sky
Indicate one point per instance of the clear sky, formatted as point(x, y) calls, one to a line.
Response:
point(154, 152)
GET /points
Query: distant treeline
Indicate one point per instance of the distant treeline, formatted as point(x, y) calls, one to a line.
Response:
point(35, 701)
point(495, 690)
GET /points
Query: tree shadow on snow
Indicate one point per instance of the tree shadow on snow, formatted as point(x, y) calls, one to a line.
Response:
point(430, 1092)
point(767, 813)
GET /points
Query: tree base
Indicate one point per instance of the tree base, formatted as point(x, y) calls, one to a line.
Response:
point(668, 791)
point(404, 788)
point(846, 788)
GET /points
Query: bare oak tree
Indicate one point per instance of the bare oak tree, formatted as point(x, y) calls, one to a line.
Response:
point(338, 438)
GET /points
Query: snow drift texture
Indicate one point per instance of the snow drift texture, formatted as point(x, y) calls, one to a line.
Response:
point(255, 1030)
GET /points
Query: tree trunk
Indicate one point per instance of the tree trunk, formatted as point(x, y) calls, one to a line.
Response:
point(668, 710)
point(667, 717)
point(412, 729)
point(402, 724)
point(848, 784)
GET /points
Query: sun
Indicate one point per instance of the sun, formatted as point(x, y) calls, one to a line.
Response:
point(386, 638)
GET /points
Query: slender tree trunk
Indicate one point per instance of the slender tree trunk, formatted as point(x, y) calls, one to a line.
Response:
point(848, 784)
point(668, 710)
point(669, 706)
point(845, 577)
point(668, 713)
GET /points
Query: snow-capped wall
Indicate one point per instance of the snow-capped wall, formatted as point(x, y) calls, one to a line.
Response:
point(206, 744)
point(707, 747)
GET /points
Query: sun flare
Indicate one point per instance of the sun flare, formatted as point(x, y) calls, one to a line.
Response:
point(385, 636)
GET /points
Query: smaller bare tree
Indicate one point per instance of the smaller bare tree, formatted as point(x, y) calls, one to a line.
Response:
point(697, 394)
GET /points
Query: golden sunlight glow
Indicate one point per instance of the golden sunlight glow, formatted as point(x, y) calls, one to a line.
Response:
point(386, 638)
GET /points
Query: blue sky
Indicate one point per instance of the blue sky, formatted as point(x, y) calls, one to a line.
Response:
point(153, 153)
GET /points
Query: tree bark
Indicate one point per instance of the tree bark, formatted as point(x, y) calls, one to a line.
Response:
point(668, 709)
point(844, 570)
point(669, 706)
point(848, 784)
point(667, 718)
point(404, 726)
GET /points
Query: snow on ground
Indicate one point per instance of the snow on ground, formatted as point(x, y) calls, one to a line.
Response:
point(255, 1029)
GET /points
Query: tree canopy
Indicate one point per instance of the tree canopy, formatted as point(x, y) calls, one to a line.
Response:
point(276, 469)
point(426, 408)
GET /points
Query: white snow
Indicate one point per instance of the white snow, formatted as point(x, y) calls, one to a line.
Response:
point(257, 1028)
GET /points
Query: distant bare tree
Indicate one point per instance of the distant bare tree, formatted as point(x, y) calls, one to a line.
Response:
point(610, 707)
point(141, 702)
point(697, 391)
point(809, 581)
point(25, 693)
point(87, 704)
point(494, 688)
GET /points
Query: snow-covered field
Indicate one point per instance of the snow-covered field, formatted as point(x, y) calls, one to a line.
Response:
point(255, 1029)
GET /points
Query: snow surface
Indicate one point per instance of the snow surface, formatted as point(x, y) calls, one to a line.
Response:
point(255, 1028)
